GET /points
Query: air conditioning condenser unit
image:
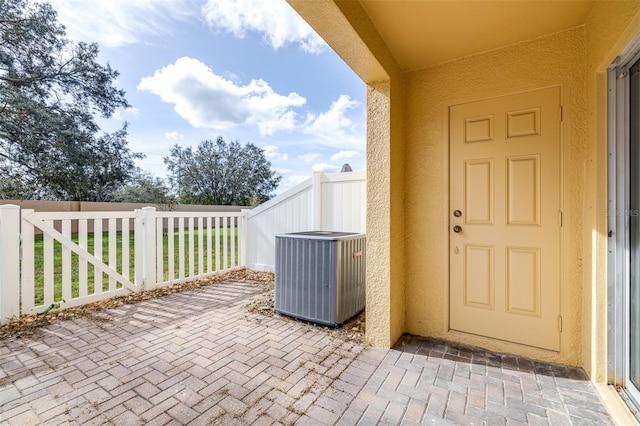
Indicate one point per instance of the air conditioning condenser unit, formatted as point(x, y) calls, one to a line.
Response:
point(320, 275)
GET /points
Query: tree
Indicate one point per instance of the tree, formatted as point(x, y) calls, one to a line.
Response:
point(221, 173)
point(13, 187)
point(144, 188)
point(50, 89)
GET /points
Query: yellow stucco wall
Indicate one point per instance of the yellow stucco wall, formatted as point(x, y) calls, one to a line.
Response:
point(556, 60)
point(385, 223)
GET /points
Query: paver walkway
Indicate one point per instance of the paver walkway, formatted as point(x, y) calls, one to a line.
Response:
point(198, 357)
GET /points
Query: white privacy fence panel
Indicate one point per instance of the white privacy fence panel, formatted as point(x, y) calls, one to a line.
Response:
point(326, 202)
point(288, 212)
point(344, 201)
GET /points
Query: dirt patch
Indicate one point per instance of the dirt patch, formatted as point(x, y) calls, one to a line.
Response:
point(263, 304)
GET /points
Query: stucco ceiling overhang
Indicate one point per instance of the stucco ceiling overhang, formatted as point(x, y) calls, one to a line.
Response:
point(422, 33)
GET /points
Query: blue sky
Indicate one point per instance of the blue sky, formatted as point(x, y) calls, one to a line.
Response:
point(246, 70)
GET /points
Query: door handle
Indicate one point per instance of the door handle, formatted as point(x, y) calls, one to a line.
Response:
point(457, 229)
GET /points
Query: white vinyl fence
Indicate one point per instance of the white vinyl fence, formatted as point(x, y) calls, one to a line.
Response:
point(111, 254)
point(55, 260)
point(326, 202)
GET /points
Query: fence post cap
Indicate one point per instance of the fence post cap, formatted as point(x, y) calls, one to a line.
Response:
point(9, 206)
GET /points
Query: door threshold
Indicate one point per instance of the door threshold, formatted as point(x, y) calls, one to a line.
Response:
point(620, 407)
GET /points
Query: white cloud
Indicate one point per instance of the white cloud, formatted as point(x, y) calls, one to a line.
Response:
point(335, 118)
point(334, 127)
point(271, 152)
point(121, 114)
point(324, 167)
point(211, 101)
point(207, 100)
point(345, 155)
point(173, 135)
point(115, 23)
point(309, 157)
point(280, 170)
point(276, 20)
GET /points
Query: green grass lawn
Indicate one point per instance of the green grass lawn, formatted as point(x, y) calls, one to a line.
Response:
point(75, 261)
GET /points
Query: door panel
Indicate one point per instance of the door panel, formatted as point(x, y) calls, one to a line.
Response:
point(478, 188)
point(523, 190)
point(478, 286)
point(523, 281)
point(505, 244)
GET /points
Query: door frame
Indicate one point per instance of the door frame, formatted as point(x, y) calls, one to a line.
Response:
point(618, 213)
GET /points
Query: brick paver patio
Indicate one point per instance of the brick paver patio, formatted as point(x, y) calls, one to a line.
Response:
point(199, 358)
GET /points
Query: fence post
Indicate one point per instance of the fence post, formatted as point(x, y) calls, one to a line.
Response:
point(138, 228)
point(145, 247)
point(149, 247)
point(9, 262)
point(317, 201)
point(244, 248)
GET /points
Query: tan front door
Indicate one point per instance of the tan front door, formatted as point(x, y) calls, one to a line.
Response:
point(505, 218)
